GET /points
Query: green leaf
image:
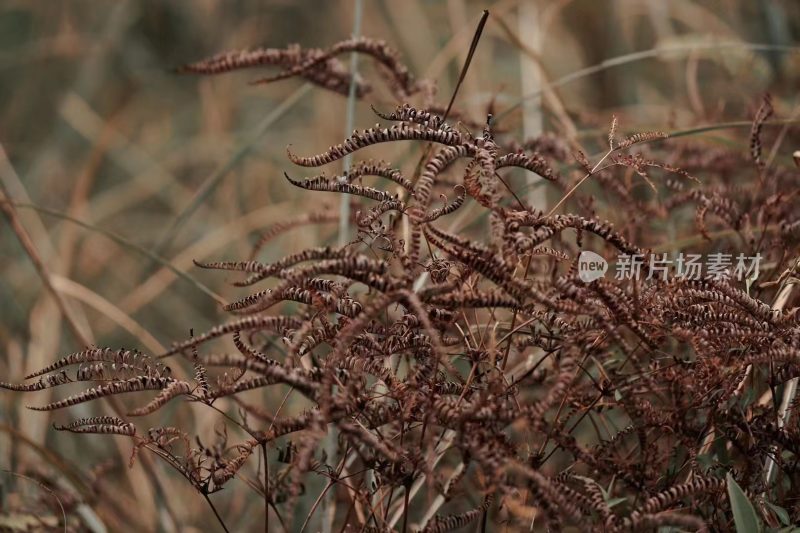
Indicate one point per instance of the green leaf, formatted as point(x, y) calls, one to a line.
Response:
point(781, 513)
point(749, 397)
point(705, 460)
point(610, 500)
point(744, 515)
point(613, 502)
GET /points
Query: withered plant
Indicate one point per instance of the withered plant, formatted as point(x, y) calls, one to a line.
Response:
point(464, 370)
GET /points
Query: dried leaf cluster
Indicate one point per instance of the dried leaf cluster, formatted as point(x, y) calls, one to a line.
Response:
point(456, 352)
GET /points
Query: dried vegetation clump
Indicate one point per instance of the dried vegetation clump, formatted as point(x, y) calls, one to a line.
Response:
point(456, 368)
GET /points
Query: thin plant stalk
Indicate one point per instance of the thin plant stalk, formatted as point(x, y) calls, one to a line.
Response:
point(328, 507)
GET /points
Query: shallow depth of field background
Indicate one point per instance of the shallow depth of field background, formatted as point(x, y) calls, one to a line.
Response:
point(96, 128)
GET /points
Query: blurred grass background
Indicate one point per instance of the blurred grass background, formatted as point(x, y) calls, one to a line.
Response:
point(96, 128)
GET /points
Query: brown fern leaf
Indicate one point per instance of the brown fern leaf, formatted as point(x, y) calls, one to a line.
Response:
point(442, 524)
point(374, 136)
point(665, 499)
point(137, 384)
point(234, 361)
point(246, 385)
point(173, 390)
point(241, 59)
point(252, 323)
point(46, 382)
point(93, 355)
point(371, 217)
point(321, 183)
point(200, 376)
point(448, 208)
point(303, 381)
point(656, 521)
point(402, 79)
point(436, 165)
point(382, 169)
point(533, 162)
point(223, 475)
point(237, 266)
point(249, 352)
point(474, 187)
point(309, 254)
point(330, 74)
point(106, 425)
point(549, 226)
point(355, 267)
point(406, 113)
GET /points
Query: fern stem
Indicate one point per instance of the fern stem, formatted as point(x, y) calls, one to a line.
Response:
point(350, 119)
point(344, 231)
point(266, 486)
point(216, 513)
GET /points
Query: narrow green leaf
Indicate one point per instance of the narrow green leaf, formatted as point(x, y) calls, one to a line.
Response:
point(781, 513)
point(744, 515)
point(613, 502)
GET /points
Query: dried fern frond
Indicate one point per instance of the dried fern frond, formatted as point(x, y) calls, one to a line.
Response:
point(104, 425)
point(91, 355)
point(401, 79)
point(476, 346)
point(406, 113)
point(373, 136)
point(46, 382)
point(137, 384)
point(173, 390)
point(322, 183)
point(273, 324)
point(330, 75)
point(448, 208)
point(442, 524)
point(533, 162)
point(382, 169)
